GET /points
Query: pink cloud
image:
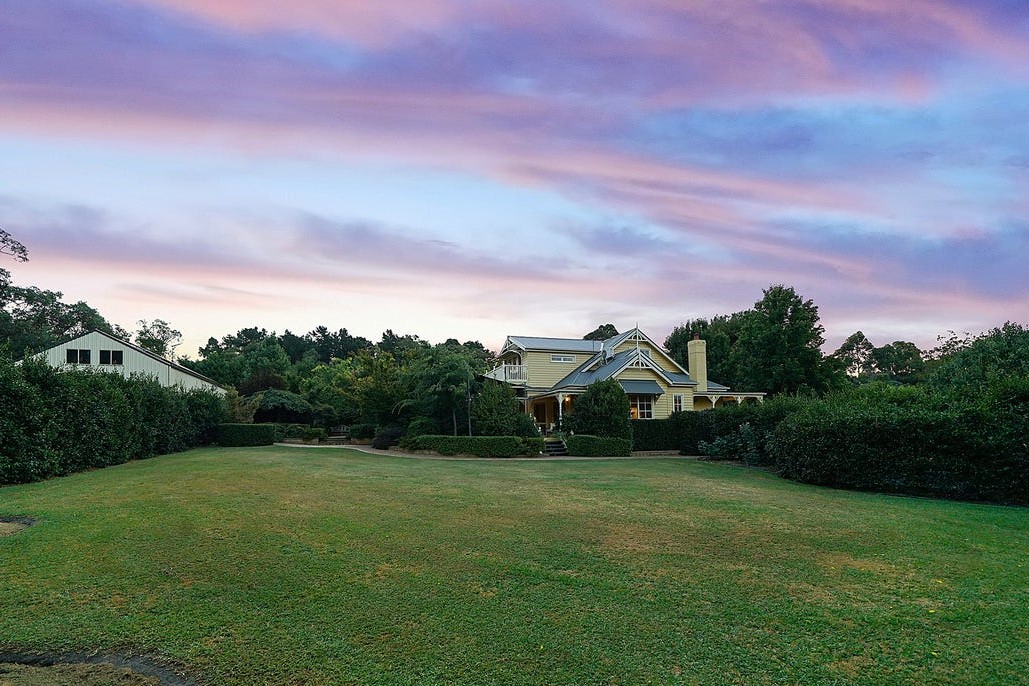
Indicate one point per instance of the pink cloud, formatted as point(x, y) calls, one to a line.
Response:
point(372, 24)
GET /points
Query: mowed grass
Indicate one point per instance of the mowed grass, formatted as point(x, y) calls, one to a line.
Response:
point(308, 566)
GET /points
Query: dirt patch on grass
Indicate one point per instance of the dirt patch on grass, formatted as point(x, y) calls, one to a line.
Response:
point(71, 669)
point(72, 675)
point(10, 525)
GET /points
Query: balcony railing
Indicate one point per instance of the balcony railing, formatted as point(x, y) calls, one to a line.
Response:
point(511, 373)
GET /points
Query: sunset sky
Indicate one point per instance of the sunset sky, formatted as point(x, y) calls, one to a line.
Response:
point(473, 168)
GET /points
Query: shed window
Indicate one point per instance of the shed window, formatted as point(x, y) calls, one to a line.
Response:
point(111, 357)
point(77, 356)
point(641, 406)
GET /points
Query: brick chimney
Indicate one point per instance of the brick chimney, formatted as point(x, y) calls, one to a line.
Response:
point(697, 352)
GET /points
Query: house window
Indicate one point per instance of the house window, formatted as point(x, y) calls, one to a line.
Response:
point(641, 406)
point(562, 358)
point(111, 357)
point(77, 356)
point(676, 403)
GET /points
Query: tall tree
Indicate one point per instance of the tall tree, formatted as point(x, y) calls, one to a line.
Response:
point(377, 385)
point(158, 337)
point(779, 348)
point(441, 379)
point(336, 344)
point(601, 333)
point(32, 319)
point(855, 355)
point(900, 361)
point(397, 345)
point(720, 333)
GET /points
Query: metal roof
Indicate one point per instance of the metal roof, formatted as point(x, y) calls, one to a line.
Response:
point(636, 387)
point(574, 345)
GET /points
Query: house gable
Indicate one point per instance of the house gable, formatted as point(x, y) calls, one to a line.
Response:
point(103, 352)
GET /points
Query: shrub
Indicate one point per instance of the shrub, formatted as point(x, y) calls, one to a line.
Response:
point(421, 426)
point(314, 434)
point(286, 430)
point(602, 410)
point(387, 437)
point(244, 435)
point(582, 445)
point(742, 444)
point(761, 418)
point(497, 412)
point(479, 446)
point(362, 431)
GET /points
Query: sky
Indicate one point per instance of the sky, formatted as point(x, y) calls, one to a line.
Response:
point(477, 168)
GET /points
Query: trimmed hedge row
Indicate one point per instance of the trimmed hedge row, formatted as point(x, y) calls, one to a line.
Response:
point(682, 431)
point(480, 446)
point(245, 435)
point(54, 423)
point(964, 452)
point(581, 445)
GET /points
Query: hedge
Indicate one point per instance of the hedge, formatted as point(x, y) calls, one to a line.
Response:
point(55, 422)
point(682, 431)
point(479, 446)
point(967, 452)
point(581, 445)
point(244, 435)
point(284, 430)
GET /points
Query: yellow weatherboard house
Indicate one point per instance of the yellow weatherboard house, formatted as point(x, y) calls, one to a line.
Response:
point(548, 373)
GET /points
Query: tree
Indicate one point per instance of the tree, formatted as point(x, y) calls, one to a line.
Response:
point(398, 345)
point(12, 247)
point(158, 337)
point(497, 412)
point(335, 344)
point(283, 406)
point(900, 361)
point(377, 385)
point(34, 319)
point(602, 410)
point(779, 348)
point(601, 333)
point(992, 357)
point(329, 385)
point(720, 333)
point(855, 356)
point(441, 380)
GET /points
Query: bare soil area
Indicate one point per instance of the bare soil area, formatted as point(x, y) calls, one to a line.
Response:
point(31, 669)
point(72, 675)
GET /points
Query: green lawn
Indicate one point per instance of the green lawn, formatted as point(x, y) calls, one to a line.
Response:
point(307, 566)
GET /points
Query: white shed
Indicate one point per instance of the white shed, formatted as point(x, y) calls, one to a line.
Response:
point(106, 353)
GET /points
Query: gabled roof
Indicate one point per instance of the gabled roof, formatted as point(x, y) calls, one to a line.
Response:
point(142, 351)
point(601, 367)
point(605, 363)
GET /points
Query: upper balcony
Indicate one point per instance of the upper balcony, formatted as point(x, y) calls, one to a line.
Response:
point(510, 373)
